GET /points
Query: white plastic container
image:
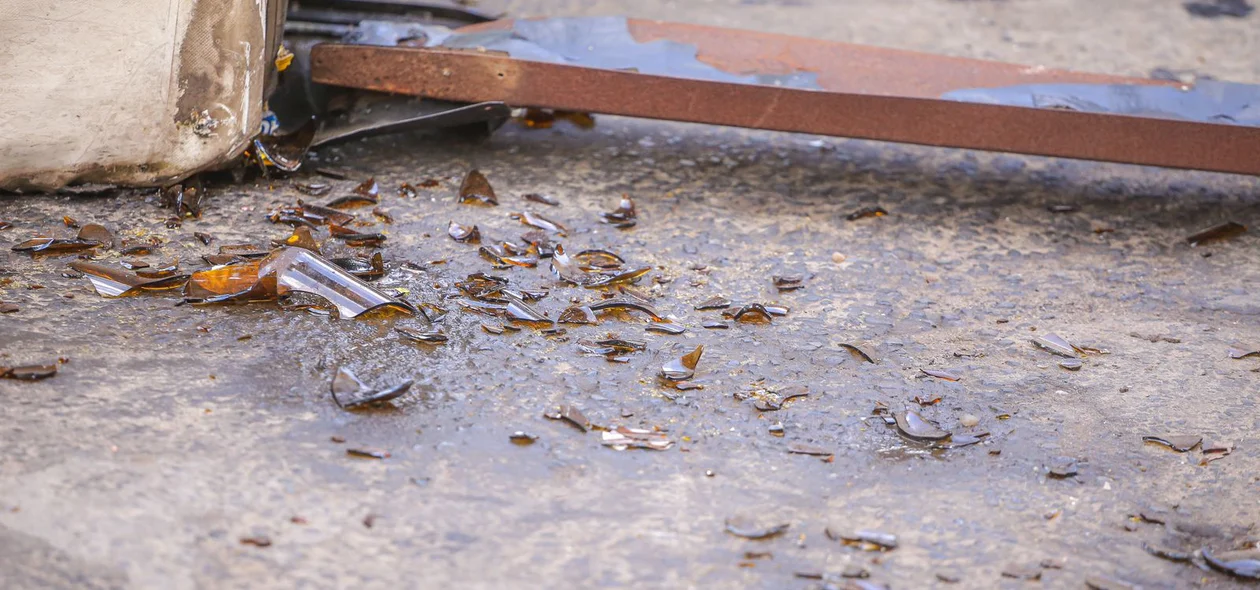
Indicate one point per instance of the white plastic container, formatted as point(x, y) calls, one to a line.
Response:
point(130, 92)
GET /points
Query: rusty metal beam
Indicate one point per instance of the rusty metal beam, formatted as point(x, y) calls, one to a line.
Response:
point(876, 105)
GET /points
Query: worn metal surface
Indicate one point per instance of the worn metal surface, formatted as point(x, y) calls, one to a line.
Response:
point(115, 474)
point(873, 94)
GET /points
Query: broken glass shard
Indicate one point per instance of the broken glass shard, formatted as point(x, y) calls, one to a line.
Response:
point(571, 415)
point(754, 313)
point(1223, 231)
point(116, 282)
point(808, 449)
point(715, 325)
point(578, 314)
point(1055, 344)
point(285, 271)
point(54, 246)
point(1104, 583)
point(1239, 353)
point(715, 302)
point(666, 328)
point(463, 233)
point(622, 438)
point(314, 189)
point(244, 250)
point(788, 283)
point(425, 336)
point(406, 191)
point(540, 198)
point(368, 453)
point(946, 375)
point(865, 540)
point(519, 311)
point(286, 152)
point(1243, 564)
point(350, 393)
point(368, 188)
point(483, 287)
point(522, 438)
point(857, 353)
point(914, 426)
point(624, 216)
point(601, 259)
point(865, 212)
point(476, 190)
point(1179, 443)
point(684, 367)
point(1020, 572)
point(492, 328)
point(1062, 467)
point(352, 201)
point(626, 305)
point(28, 372)
point(364, 268)
point(1071, 364)
point(95, 232)
point(1166, 553)
point(540, 222)
point(749, 530)
point(6, 307)
point(301, 238)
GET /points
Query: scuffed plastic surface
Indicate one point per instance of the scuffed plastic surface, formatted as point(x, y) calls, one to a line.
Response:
point(128, 92)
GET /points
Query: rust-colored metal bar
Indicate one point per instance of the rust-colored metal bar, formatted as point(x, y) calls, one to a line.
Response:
point(897, 103)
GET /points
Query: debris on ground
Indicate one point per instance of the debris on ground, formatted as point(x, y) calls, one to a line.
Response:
point(1021, 572)
point(368, 453)
point(684, 367)
point(1105, 583)
point(1179, 443)
point(800, 448)
point(463, 233)
point(624, 216)
point(622, 438)
point(540, 198)
point(256, 541)
point(424, 336)
point(572, 415)
point(476, 190)
point(112, 281)
point(788, 283)
point(28, 372)
point(748, 530)
point(865, 212)
point(914, 426)
point(351, 393)
point(1242, 353)
point(1055, 344)
point(1216, 233)
point(755, 313)
point(1062, 467)
point(940, 374)
point(284, 272)
point(522, 438)
point(857, 353)
point(1219, 8)
point(1243, 564)
point(864, 540)
point(88, 237)
point(713, 303)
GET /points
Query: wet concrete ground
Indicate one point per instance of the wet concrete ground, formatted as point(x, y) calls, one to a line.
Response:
point(169, 436)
